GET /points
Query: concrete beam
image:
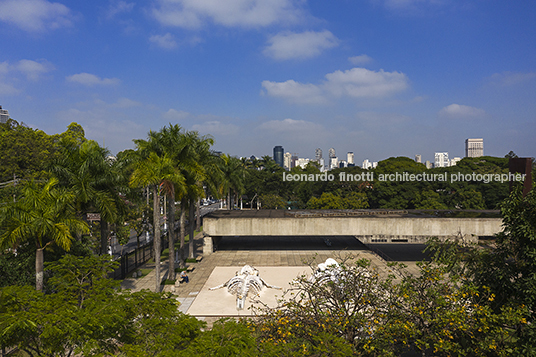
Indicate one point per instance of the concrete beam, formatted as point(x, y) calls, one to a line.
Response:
point(361, 226)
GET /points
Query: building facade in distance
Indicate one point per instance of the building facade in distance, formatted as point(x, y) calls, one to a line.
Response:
point(441, 159)
point(287, 162)
point(4, 115)
point(350, 158)
point(278, 155)
point(474, 147)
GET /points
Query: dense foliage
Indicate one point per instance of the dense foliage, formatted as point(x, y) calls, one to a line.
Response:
point(465, 301)
point(354, 188)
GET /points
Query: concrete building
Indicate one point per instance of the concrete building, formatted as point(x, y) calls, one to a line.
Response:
point(454, 161)
point(350, 158)
point(287, 161)
point(322, 165)
point(418, 158)
point(301, 162)
point(293, 160)
point(318, 154)
point(441, 159)
point(474, 147)
point(333, 162)
point(366, 164)
point(428, 164)
point(278, 155)
point(331, 153)
point(4, 115)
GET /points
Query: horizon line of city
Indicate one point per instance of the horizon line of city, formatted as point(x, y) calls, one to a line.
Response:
point(474, 147)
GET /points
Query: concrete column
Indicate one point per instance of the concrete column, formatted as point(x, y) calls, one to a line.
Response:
point(208, 245)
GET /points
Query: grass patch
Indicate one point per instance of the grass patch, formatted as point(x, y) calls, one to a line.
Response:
point(168, 282)
point(187, 237)
point(191, 260)
point(144, 272)
point(178, 270)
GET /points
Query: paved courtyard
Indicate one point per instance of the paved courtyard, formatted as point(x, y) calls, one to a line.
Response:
point(264, 252)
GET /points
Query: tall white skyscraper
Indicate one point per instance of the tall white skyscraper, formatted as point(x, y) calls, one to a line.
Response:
point(4, 115)
point(287, 160)
point(474, 147)
point(318, 154)
point(332, 152)
point(418, 158)
point(441, 159)
point(350, 158)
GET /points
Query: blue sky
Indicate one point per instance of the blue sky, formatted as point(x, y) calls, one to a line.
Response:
point(380, 78)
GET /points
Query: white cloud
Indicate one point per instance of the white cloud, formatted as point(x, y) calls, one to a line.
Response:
point(507, 79)
point(177, 115)
point(90, 80)
point(166, 41)
point(35, 15)
point(216, 128)
point(32, 69)
point(364, 83)
point(4, 67)
point(294, 92)
point(125, 103)
point(356, 83)
point(291, 126)
point(359, 60)
point(117, 7)
point(458, 110)
point(231, 13)
point(7, 89)
point(307, 44)
point(413, 6)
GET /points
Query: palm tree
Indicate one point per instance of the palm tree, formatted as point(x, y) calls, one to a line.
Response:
point(157, 172)
point(44, 216)
point(233, 174)
point(85, 169)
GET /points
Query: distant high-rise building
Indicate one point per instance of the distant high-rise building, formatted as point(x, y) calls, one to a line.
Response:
point(278, 155)
point(441, 159)
point(331, 153)
point(4, 115)
point(287, 162)
point(318, 154)
point(301, 162)
point(418, 158)
point(454, 161)
point(366, 164)
point(322, 165)
point(350, 158)
point(293, 159)
point(428, 164)
point(474, 147)
point(333, 162)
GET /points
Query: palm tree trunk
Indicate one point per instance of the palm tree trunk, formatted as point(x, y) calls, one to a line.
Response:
point(192, 228)
point(182, 231)
point(104, 236)
point(229, 200)
point(39, 269)
point(198, 214)
point(156, 239)
point(171, 238)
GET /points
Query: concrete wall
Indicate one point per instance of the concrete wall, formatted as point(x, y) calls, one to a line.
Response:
point(370, 229)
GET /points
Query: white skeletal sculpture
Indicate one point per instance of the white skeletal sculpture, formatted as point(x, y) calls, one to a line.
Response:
point(327, 271)
point(246, 279)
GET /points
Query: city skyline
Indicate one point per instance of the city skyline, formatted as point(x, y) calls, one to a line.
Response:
point(439, 159)
point(379, 78)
